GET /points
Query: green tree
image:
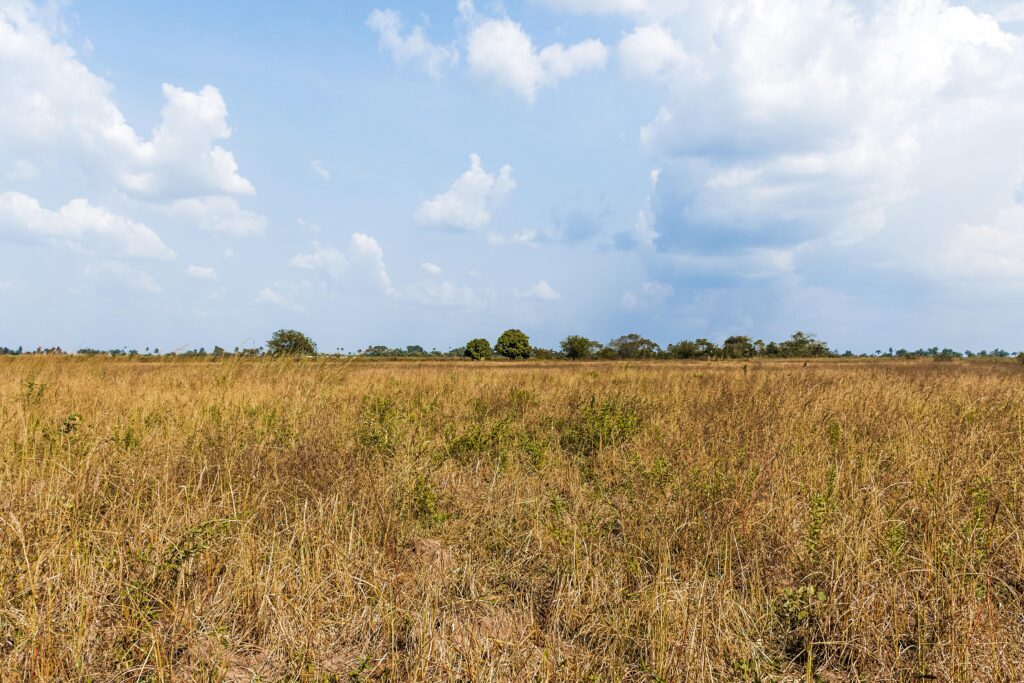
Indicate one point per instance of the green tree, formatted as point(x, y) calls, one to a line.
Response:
point(289, 343)
point(803, 345)
point(634, 346)
point(478, 349)
point(513, 344)
point(737, 347)
point(576, 347)
point(684, 349)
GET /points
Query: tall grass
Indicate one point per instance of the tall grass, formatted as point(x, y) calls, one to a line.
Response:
point(323, 521)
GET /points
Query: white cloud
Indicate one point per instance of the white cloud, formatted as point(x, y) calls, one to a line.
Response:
point(116, 275)
point(216, 214)
point(275, 296)
point(542, 290)
point(412, 47)
point(501, 52)
point(651, 51)
point(362, 262)
point(329, 259)
point(320, 169)
point(430, 268)
point(829, 157)
point(526, 238)
point(201, 272)
point(56, 113)
point(367, 260)
point(468, 203)
point(438, 294)
point(79, 225)
point(987, 251)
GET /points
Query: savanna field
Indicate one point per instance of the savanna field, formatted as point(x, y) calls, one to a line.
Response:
point(331, 520)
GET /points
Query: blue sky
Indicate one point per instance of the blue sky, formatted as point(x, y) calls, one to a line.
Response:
point(191, 174)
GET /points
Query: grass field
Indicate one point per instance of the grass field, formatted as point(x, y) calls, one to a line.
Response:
point(325, 520)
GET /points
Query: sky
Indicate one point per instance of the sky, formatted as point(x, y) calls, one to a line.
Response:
point(180, 175)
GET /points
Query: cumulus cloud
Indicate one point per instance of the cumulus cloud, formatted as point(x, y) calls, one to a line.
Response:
point(215, 214)
point(79, 225)
point(542, 291)
point(201, 272)
point(116, 275)
point(501, 52)
point(430, 268)
point(468, 204)
point(413, 47)
point(871, 146)
point(56, 110)
point(362, 262)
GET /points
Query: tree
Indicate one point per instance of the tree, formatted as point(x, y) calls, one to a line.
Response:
point(576, 347)
point(684, 349)
point(738, 347)
point(634, 346)
point(478, 349)
point(803, 345)
point(290, 343)
point(513, 344)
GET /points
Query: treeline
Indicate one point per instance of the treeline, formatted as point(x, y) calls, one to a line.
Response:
point(515, 345)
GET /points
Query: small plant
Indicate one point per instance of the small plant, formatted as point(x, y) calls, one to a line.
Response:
point(71, 424)
point(425, 504)
point(798, 611)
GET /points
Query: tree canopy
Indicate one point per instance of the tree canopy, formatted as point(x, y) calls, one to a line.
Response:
point(478, 349)
point(513, 344)
point(290, 343)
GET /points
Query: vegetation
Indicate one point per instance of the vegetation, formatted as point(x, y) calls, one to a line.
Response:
point(575, 347)
point(513, 344)
point(237, 519)
point(478, 349)
point(290, 343)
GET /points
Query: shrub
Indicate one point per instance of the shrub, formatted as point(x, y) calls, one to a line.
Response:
point(513, 344)
point(290, 342)
point(478, 349)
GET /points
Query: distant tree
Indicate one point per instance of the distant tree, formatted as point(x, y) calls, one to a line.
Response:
point(414, 350)
point(513, 344)
point(478, 349)
point(1020, 357)
point(544, 354)
point(803, 345)
point(738, 347)
point(634, 346)
point(607, 353)
point(289, 343)
point(684, 349)
point(576, 347)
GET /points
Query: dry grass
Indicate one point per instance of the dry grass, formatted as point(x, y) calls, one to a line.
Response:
point(276, 520)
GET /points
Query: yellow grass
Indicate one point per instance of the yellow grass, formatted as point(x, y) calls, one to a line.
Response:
point(326, 520)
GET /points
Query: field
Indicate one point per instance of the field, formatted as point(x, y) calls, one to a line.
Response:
point(349, 521)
